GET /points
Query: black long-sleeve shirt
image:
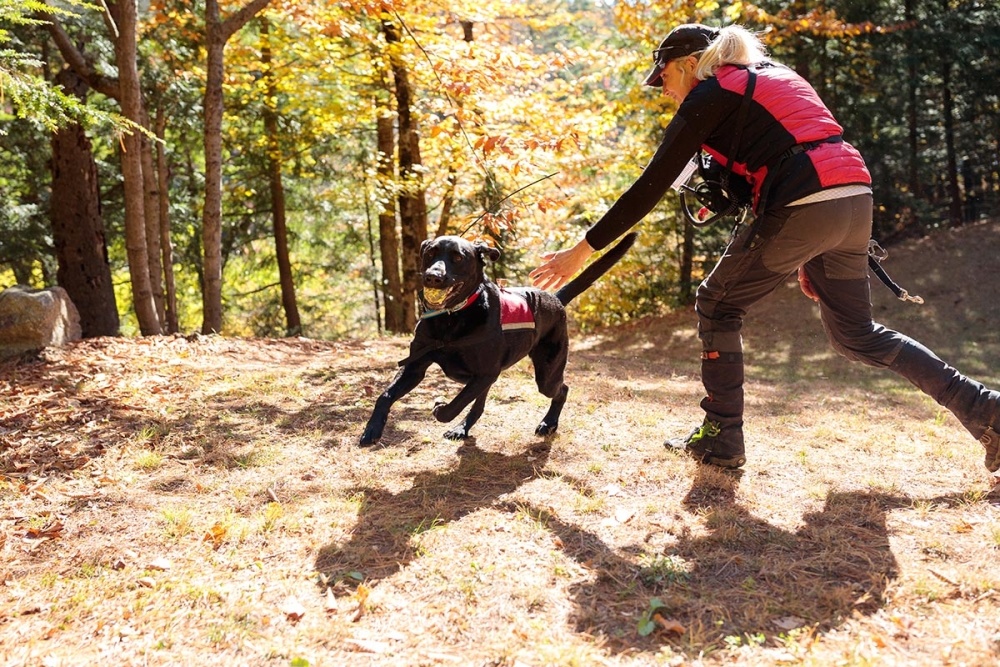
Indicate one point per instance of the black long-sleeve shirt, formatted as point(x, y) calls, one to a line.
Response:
point(785, 111)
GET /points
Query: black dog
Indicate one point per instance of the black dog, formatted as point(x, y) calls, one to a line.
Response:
point(474, 329)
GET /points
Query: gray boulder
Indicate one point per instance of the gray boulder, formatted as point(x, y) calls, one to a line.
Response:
point(32, 319)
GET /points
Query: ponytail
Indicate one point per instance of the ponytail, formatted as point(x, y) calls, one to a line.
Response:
point(735, 45)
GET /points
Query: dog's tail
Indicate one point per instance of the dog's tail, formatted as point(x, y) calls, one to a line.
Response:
point(589, 275)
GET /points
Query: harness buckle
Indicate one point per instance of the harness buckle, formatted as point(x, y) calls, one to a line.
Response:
point(876, 251)
point(905, 296)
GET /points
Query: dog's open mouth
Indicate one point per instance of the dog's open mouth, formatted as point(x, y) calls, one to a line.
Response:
point(437, 298)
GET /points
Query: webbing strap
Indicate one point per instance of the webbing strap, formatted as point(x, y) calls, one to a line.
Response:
point(741, 118)
point(876, 254)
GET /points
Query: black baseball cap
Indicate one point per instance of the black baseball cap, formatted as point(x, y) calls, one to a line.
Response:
point(682, 41)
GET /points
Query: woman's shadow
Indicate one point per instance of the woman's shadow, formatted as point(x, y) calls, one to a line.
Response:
point(734, 577)
point(742, 579)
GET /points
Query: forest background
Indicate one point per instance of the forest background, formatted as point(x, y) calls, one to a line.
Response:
point(270, 167)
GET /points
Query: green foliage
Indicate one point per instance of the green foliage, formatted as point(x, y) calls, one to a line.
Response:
point(531, 125)
point(26, 240)
point(32, 96)
point(647, 624)
point(891, 70)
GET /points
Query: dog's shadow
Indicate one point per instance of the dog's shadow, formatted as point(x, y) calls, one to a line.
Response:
point(382, 540)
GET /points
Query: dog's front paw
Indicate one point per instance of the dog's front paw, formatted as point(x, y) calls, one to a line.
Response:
point(371, 435)
point(457, 433)
point(545, 429)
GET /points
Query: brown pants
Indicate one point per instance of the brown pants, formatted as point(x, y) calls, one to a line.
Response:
point(829, 239)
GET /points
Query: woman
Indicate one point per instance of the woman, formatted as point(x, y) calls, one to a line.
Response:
point(813, 208)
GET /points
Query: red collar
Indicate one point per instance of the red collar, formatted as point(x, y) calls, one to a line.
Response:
point(454, 309)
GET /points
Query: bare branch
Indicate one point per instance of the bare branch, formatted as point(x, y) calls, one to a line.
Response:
point(76, 60)
point(236, 21)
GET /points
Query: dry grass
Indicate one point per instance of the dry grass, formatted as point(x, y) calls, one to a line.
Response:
point(170, 501)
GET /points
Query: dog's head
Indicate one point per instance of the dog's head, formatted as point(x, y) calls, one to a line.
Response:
point(452, 269)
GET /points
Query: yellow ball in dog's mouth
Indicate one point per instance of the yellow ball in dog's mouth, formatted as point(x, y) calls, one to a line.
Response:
point(435, 297)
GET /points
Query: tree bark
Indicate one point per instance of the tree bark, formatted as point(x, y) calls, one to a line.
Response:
point(951, 175)
point(122, 24)
point(217, 33)
point(124, 14)
point(211, 224)
point(687, 263)
point(447, 202)
point(412, 201)
point(913, 130)
point(151, 212)
point(166, 244)
point(293, 324)
point(77, 226)
point(388, 239)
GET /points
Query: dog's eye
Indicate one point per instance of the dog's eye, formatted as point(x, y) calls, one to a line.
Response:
point(457, 258)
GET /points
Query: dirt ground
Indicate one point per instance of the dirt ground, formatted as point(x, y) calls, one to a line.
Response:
point(180, 500)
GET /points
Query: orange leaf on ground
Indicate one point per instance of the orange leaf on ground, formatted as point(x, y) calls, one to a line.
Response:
point(216, 534)
point(669, 625)
point(293, 609)
point(50, 531)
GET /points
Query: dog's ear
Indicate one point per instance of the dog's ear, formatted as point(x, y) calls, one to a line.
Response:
point(487, 252)
point(423, 246)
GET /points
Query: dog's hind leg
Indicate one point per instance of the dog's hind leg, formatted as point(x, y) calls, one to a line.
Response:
point(461, 432)
point(549, 358)
point(550, 422)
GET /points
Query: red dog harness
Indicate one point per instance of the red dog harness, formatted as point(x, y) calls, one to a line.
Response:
point(514, 312)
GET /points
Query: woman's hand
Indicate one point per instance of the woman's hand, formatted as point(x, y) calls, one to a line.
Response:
point(558, 267)
point(806, 286)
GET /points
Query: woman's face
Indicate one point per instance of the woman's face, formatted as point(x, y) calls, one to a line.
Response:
point(678, 78)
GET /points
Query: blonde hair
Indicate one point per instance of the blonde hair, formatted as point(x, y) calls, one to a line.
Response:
point(735, 45)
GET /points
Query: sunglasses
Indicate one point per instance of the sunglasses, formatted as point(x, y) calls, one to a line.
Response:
point(664, 55)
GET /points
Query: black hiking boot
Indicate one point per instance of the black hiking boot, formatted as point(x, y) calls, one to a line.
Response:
point(976, 406)
point(710, 443)
point(982, 420)
point(991, 442)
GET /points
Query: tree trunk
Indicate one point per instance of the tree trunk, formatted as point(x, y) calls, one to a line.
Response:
point(412, 202)
point(371, 257)
point(122, 21)
point(166, 245)
point(913, 130)
point(151, 211)
point(951, 175)
point(447, 202)
point(77, 226)
point(293, 324)
point(124, 14)
point(388, 239)
point(217, 33)
point(211, 224)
